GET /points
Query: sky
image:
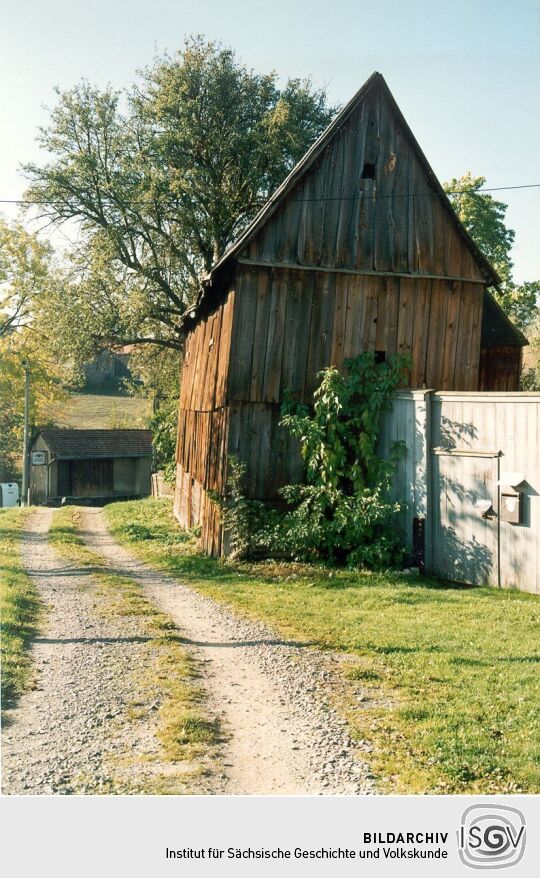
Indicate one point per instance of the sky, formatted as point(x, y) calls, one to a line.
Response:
point(466, 74)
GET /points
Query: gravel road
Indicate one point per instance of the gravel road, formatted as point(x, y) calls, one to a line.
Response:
point(73, 732)
point(271, 697)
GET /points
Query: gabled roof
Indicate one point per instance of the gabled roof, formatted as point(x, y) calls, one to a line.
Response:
point(376, 80)
point(497, 328)
point(88, 444)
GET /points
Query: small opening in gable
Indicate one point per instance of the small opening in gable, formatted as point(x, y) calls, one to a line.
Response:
point(368, 171)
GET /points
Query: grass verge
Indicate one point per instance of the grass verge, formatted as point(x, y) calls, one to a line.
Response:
point(446, 676)
point(169, 676)
point(20, 609)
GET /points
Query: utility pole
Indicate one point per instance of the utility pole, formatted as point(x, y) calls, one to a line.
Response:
point(24, 491)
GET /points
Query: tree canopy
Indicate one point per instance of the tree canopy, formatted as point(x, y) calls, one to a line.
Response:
point(24, 267)
point(162, 177)
point(484, 218)
point(25, 276)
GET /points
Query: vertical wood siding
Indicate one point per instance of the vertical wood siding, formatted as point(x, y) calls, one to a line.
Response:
point(203, 421)
point(290, 324)
point(336, 218)
point(500, 368)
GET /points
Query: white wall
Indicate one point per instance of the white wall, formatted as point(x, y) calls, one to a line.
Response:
point(458, 446)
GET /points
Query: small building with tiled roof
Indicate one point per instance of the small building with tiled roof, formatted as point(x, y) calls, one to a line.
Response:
point(90, 465)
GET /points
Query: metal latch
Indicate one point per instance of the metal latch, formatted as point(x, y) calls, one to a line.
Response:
point(485, 508)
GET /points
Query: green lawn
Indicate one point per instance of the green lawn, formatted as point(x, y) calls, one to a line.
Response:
point(443, 679)
point(20, 608)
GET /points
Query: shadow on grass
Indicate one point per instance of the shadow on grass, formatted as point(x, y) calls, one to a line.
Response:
point(393, 578)
point(143, 532)
point(391, 649)
point(9, 533)
point(17, 635)
point(463, 661)
point(416, 590)
point(195, 566)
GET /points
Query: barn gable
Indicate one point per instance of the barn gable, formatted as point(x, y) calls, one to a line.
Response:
point(363, 198)
point(368, 200)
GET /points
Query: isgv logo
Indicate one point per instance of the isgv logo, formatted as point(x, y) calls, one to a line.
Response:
point(491, 836)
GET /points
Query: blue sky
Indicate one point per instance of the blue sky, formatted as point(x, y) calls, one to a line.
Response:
point(465, 74)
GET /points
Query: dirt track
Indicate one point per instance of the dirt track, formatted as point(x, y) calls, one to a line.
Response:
point(280, 736)
point(66, 732)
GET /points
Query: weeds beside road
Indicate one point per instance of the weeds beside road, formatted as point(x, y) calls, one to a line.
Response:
point(20, 608)
point(448, 673)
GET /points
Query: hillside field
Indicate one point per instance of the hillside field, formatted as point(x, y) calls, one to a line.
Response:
point(89, 411)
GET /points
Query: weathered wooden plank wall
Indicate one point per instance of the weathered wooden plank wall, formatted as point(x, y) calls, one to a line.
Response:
point(500, 368)
point(339, 217)
point(272, 458)
point(206, 360)
point(317, 319)
point(203, 422)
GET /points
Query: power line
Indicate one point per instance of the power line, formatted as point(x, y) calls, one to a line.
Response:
point(499, 188)
point(322, 198)
point(392, 195)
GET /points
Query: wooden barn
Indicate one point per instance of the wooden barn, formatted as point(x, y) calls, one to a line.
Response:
point(359, 249)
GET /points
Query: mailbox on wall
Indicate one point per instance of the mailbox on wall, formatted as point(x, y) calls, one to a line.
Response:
point(512, 507)
point(511, 497)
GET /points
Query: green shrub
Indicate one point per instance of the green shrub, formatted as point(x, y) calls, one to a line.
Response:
point(244, 520)
point(164, 425)
point(359, 530)
point(342, 513)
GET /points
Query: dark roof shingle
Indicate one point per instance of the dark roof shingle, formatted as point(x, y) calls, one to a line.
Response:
point(497, 328)
point(74, 444)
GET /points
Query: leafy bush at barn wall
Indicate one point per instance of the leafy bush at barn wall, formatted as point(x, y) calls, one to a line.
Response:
point(342, 513)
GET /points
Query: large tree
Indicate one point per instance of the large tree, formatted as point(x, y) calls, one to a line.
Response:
point(46, 378)
point(484, 218)
point(530, 378)
point(26, 277)
point(27, 281)
point(24, 274)
point(162, 178)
